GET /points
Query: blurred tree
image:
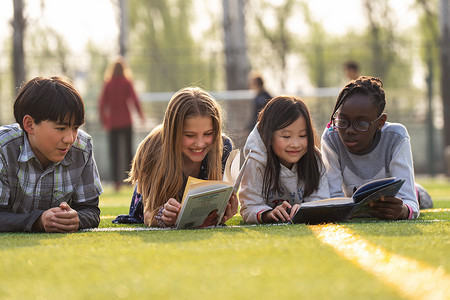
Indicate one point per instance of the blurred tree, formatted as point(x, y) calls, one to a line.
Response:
point(236, 62)
point(276, 41)
point(385, 44)
point(321, 52)
point(428, 29)
point(273, 42)
point(445, 70)
point(429, 34)
point(162, 52)
point(98, 62)
point(122, 6)
point(19, 24)
point(50, 54)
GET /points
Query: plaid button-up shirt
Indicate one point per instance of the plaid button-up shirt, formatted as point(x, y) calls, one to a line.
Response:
point(26, 190)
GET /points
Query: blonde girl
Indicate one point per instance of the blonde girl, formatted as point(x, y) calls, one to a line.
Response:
point(189, 142)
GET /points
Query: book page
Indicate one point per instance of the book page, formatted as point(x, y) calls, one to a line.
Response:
point(237, 181)
point(232, 164)
point(326, 202)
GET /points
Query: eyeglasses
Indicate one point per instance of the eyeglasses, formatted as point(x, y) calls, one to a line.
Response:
point(358, 125)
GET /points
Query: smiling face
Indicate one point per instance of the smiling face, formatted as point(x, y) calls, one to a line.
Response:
point(290, 143)
point(50, 140)
point(197, 139)
point(359, 107)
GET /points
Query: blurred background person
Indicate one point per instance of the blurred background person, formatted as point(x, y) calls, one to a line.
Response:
point(117, 97)
point(256, 83)
point(351, 69)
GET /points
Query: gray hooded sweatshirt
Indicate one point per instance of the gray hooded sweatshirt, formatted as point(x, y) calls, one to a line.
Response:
point(253, 203)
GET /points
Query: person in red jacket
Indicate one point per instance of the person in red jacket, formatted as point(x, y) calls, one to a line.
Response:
point(117, 97)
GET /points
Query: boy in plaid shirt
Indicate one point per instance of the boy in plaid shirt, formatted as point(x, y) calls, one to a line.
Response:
point(49, 181)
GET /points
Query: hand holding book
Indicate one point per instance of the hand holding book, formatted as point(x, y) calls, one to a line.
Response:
point(202, 199)
point(391, 208)
point(365, 200)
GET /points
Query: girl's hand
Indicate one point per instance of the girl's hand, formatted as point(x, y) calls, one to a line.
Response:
point(391, 208)
point(279, 213)
point(294, 210)
point(170, 212)
point(232, 208)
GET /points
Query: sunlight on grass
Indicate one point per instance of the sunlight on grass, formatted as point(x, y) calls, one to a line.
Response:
point(238, 261)
point(423, 282)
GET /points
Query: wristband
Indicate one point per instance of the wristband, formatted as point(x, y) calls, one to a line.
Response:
point(410, 215)
point(259, 215)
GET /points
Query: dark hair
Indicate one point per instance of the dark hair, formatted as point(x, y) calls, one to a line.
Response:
point(52, 98)
point(279, 113)
point(259, 81)
point(352, 65)
point(363, 85)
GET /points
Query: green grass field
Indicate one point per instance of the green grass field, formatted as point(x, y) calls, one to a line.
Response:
point(362, 259)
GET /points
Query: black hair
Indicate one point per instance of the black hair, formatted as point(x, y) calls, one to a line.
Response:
point(352, 65)
point(53, 99)
point(259, 81)
point(279, 113)
point(363, 85)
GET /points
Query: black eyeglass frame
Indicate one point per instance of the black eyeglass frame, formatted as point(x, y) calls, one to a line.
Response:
point(355, 122)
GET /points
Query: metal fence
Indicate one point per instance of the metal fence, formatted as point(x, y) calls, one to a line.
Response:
point(402, 107)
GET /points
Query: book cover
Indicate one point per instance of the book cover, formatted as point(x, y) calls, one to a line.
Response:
point(204, 201)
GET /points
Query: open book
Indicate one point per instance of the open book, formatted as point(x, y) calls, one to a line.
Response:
point(342, 209)
point(204, 201)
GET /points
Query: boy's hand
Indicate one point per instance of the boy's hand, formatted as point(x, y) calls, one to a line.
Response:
point(62, 219)
point(170, 212)
point(391, 208)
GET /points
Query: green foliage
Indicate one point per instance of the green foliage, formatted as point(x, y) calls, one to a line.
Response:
point(428, 32)
point(163, 53)
point(380, 49)
point(275, 35)
point(98, 62)
point(50, 53)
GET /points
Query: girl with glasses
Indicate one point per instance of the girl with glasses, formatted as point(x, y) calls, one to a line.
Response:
point(359, 145)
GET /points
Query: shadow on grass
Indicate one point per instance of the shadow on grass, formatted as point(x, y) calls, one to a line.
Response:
point(17, 240)
point(182, 235)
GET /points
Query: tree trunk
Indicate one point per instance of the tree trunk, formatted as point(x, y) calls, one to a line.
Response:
point(18, 24)
point(123, 30)
point(445, 71)
point(237, 66)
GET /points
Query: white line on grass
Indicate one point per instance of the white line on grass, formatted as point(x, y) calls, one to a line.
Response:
point(435, 210)
point(115, 229)
point(413, 279)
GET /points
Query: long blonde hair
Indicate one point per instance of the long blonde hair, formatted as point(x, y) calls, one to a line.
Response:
point(158, 164)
